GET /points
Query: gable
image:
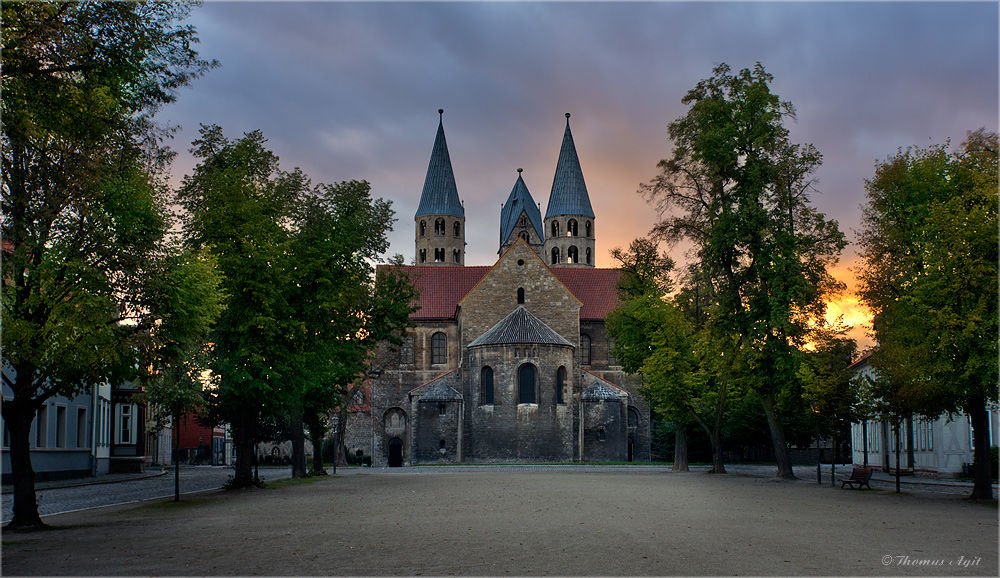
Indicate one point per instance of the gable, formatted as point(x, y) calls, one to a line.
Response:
point(496, 296)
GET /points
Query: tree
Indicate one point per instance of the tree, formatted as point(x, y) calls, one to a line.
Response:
point(306, 307)
point(928, 273)
point(185, 305)
point(83, 196)
point(742, 193)
point(237, 203)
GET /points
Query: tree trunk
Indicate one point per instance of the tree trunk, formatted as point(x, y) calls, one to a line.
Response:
point(317, 432)
point(777, 438)
point(982, 488)
point(340, 436)
point(298, 439)
point(243, 442)
point(18, 416)
point(718, 466)
point(680, 448)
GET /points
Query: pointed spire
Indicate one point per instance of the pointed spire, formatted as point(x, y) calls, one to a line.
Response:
point(569, 191)
point(519, 201)
point(440, 194)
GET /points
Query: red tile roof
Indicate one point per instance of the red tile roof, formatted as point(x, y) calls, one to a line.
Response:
point(442, 288)
point(597, 289)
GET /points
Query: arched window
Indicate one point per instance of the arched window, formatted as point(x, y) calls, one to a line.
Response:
point(486, 386)
point(560, 385)
point(439, 255)
point(423, 255)
point(571, 229)
point(585, 349)
point(439, 227)
point(555, 228)
point(572, 255)
point(439, 348)
point(611, 357)
point(526, 384)
point(526, 236)
point(555, 255)
point(458, 229)
point(456, 255)
point(520, 295)
point(423, 228)
point(588, 255)
point(588, 229)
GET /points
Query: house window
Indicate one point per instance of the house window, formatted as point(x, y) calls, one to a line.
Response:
point(81, 427)
point(526, 384)
point(442, 408)
point(520, 295)
point(486, 386)
point(572, 256)
point(611, 358)
point(41, 427)
point(585, 349)
point(602, 434)
point(60, 426)
point(571, 230)
point(560, 385)
point(439, 348)
point(458, 229)
point(125, 424)
point(439, 227)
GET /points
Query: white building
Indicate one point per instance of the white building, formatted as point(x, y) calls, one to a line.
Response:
point(941, 447)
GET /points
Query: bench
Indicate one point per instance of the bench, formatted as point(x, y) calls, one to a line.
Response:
point(859, 476)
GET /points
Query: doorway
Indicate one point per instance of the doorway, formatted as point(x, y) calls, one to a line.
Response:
point(395, 453)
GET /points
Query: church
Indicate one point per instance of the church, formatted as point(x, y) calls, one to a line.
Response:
point(508, 363)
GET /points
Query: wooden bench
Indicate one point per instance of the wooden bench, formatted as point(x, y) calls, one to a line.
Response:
point(859, 476)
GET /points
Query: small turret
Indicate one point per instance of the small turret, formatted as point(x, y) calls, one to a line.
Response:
point(569, 218)
point(521, 218)
point(440, 217)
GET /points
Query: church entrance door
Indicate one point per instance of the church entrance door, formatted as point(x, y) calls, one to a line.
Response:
point(631, 448)
point(395, 453)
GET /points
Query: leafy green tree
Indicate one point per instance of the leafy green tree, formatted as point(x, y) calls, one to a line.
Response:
point(928, 274)
point(237, 204)
point(741, 194)
point(305, 306)
point(186, 303)
point(84, 199)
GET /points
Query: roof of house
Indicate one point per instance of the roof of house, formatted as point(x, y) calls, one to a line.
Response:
point(519, 201)
point(520, 326)
point(598, 390)
point(442, 288)
point(569, 191)
point(440, 391)
point(440, 194)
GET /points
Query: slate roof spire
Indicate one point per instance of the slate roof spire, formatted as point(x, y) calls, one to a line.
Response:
point(569, 191)
point(519, 200)
point(440, 194)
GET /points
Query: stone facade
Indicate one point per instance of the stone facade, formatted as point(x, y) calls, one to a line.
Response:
point(510, 362)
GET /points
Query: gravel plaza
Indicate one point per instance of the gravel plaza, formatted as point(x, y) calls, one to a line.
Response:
point(497, 521)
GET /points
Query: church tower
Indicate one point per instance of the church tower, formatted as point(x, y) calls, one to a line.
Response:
point(521, 218)
point(569, 219)
point(440, 217)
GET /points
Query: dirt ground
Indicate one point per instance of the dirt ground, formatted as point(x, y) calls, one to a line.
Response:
point(523, 523)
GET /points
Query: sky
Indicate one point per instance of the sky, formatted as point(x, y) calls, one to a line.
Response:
point(349, 90)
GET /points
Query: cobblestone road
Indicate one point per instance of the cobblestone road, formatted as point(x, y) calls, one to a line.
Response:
point(72, 495)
